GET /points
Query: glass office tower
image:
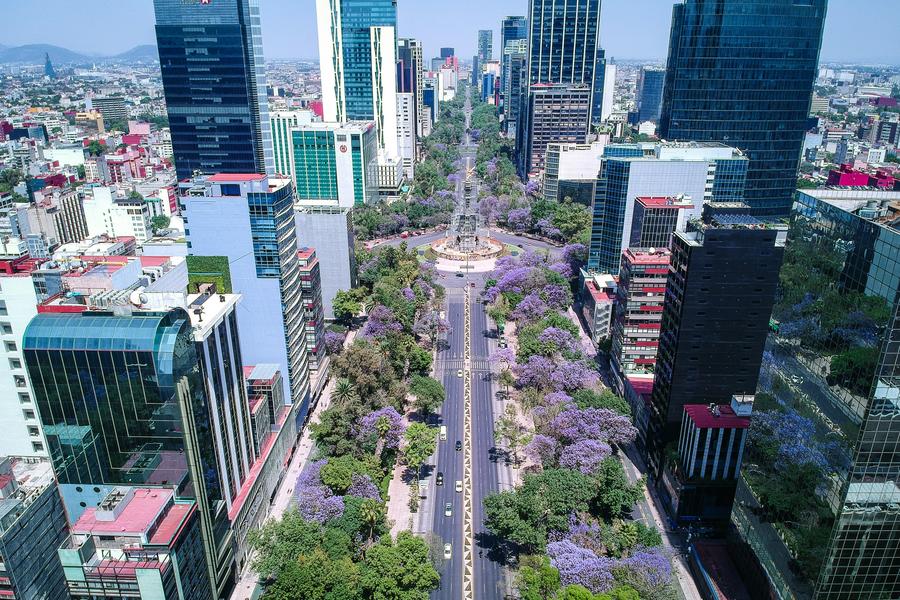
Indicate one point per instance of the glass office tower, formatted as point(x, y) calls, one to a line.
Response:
point(512, 29)
point(741, 72)
point(485, 45)
point(649, 93)
point(214, 79)
point(563, 42)
point(819, 503)
point(122, 402)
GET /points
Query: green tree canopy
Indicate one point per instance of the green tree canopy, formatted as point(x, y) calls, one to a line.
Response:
point(398, 571)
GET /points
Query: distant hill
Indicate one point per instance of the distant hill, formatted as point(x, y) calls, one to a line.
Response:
point(34, 54)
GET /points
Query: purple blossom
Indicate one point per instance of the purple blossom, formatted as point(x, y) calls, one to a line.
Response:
point(488, 208)
point(556, 399)
point(563, 269)
point(556, 296)
point(530, 309)
point(334, 342)
point(580, 566)
point(401, 221)
point(584, 455)
point(362, 486)
point(491, 167)
point(571, 376)
point(533, 259)
point(600, 424)
point(532, 188)
point(535, 372)
point(514, 280)
point(542, 449)
point(381, 322)
point(424, 288)
point(430, 324)
point(504, 355)
point(560, 339)
point(575, 254)
point(440, 147)
point(652, 567)
point(585, 534)
point(384, 418)
point(796, 438)
point(408, 294)
point(314, 500)
point(519, 218)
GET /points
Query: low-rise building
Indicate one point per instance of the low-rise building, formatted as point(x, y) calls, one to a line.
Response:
point(598, 299)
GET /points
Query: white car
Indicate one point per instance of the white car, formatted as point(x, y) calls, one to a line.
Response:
point(459, 485)
point(448, 551)
point(459, 373)
point(448, 510)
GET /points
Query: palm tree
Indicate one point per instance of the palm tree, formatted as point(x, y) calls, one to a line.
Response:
point(372, 512)
point(344, 392)
point(382, 426)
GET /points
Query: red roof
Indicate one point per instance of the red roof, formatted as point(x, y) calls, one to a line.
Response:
point(138, 515)
point(660, 256)
point(235, 177)
point(170, 527)
point(664, 202)
point(705, 419)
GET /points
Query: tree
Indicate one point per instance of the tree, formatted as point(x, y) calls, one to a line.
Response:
point(10, 178)
point(95, 148)
point(373, 513)
point(616, 496)
point(543, 503)
point(509, 431)
point(159, 222)
point(398, 571)
point(316, 576)
point(279, 542)
point(344, 392)
point(421, 441)
point(537, 579)
point(507, 380)
point(347, 304)
point(606, 399)
point(429, 394)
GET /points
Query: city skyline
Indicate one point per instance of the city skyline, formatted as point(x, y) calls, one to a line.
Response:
point(289, 29)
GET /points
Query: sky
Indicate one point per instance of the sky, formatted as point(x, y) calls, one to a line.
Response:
point(855, 30)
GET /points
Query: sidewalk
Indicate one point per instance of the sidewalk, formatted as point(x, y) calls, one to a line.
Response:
point(246, 587)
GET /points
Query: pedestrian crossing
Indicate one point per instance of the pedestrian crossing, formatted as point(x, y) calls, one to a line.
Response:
point(453, 364)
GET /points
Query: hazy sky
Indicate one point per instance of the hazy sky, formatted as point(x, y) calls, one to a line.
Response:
point(856, 30)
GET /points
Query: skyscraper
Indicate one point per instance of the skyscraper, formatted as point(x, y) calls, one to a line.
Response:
point(649, 93)
point(563, 40)
point(358, 57)
point(249, 221)
point(741, 72)
point(562, 51)
point(515, 80)
point(485, 45)
point(819, 497)
point(123, 402)
point(410, 78)
point(700, 172)
point(447, 52)
point(512, 29)
point(49, 71)
point(213, 74)
point(553, 114)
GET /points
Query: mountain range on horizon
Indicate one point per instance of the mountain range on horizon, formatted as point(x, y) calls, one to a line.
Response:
point(34, 54)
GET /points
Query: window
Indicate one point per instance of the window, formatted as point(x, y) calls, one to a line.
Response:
point(24, 398)
point(5, 328)
point(20, 381)
point(15, 363)
point(33, 431)
point(10, 346)
point(28, 413)
point(3, 311)
point(37, 446)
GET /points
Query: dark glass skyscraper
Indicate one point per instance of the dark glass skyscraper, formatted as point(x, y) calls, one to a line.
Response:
point(213, 75)
point(122, 402)
point(741, 72)
point(511, 29)
point(563, 41)
point(485, 45)
point(649, 93)
point(820, 502)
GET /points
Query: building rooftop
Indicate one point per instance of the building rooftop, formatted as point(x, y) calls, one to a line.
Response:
point(263, 372)
point(21, 481)
point(673, 202)
point(876, 205)
point(235, 177)
point(207, 309)
point(715, 417)
point(125, 511)
point(648, 256)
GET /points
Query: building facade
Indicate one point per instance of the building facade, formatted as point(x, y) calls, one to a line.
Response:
point(649, 93)
point(741, 73)
point(512, 29)
point(311, 284)
point(249, 220)
point(699, 172)
point(358, 58)
point(221, 128)
point(721, 287)
point(554, 113)
point(485, 45)
point(283, 122)
point(830, 374)
point(570, 171)
point(330, 231)
point(336, 164)
point(410, 78)
point(563, 40)
point(162, 440)
point(406, 133)
point(32, 526)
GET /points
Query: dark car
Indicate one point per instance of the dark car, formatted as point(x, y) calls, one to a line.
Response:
point(458, 445)
point(439, 480)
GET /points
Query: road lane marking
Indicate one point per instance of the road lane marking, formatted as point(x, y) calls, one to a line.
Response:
point(468, 582)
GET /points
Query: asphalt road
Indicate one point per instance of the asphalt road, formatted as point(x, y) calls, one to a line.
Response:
point(449, 460)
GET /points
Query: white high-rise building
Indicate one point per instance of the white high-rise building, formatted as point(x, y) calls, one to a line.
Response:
point(358, 64)
point(406, 131)
point(609, 91)
point(282, 123)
